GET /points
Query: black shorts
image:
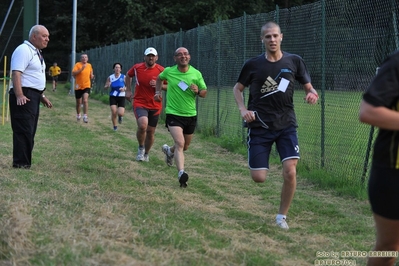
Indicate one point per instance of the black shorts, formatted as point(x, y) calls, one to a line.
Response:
point(79, 93)
point(55, 78)
point(188, 124)
point(383, 189)
point(118, 101)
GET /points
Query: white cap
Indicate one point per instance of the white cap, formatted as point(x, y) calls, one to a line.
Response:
point(150, 50)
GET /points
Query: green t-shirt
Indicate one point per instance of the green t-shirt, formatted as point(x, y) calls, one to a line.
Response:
point(180, 100)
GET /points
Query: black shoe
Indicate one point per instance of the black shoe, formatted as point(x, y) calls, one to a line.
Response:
point(21, 166)
point(183, 179)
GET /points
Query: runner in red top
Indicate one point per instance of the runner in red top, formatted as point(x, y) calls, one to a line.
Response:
point(145, 108)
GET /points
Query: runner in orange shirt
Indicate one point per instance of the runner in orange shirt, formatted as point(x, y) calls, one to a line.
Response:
point(83, 74)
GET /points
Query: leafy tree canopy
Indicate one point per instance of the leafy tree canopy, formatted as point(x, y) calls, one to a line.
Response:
point(104, 22)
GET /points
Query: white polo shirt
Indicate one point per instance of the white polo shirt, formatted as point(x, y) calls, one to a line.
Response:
point(26, 59)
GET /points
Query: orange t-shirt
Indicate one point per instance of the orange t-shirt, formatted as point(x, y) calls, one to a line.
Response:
point(83, 79)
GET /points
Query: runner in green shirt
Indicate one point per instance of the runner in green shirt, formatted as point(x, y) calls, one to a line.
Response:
point(185, 83)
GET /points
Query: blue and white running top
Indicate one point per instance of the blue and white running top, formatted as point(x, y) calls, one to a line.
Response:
point(116, 84)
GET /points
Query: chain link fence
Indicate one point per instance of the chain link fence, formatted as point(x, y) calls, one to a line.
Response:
point(341, 41)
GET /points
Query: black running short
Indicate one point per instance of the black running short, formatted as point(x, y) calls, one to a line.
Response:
point(118, 101)
point(79, 93)
point(188, 124)
point(383, 189)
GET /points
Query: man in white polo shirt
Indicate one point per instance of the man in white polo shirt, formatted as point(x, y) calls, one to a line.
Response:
point(26, 92)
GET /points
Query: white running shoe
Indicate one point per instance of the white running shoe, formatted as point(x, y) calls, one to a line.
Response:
point(146, 158)
point(85, 119)
point(140, 155)
point(282, 224)
point(78, 117)
point(168, 155)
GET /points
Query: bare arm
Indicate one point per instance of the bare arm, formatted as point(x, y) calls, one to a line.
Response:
point(17, 88)
point(46, 102)
point(238, 95)
point(246, 114)
point(76, 72)
point(202, 93)
point(107, 83)
point(16, 81)
point(311, 94)
point(381, 117)
point(159, 84)
point(128, 84)
point(164, 86)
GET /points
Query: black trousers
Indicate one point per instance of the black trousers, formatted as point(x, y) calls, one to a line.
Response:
point(24, 120)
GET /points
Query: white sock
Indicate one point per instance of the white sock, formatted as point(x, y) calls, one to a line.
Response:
point(280, 217)
point(180, 172)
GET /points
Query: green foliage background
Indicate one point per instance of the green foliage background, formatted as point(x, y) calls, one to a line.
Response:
point(106, 22)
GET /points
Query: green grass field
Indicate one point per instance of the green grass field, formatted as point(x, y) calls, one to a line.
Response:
point(333, 143)
point(86, 201)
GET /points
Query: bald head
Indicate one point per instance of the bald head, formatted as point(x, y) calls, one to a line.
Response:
point(36, 30)
point(39, 36)
point(181, 50)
